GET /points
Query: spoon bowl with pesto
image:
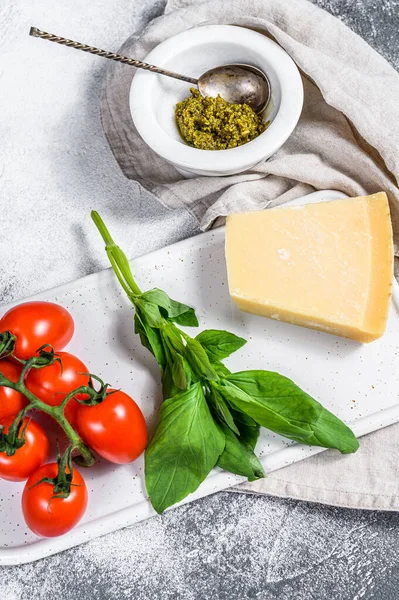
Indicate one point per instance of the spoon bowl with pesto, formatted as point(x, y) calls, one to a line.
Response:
point(214, 135)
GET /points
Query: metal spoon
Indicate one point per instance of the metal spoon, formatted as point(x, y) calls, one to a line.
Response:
point(236, 83)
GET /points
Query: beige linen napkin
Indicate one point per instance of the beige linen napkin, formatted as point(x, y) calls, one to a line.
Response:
point(347, 139)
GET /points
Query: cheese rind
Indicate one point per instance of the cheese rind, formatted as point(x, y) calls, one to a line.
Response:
point(327, 266)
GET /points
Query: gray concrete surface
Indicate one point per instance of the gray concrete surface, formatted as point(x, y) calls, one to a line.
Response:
point(54, 167)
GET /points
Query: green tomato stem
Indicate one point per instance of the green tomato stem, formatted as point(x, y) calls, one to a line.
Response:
point(24, 372)
point(80, 390)
point(56, 412)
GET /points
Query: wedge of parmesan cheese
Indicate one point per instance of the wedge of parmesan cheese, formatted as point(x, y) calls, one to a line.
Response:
point(327, 266)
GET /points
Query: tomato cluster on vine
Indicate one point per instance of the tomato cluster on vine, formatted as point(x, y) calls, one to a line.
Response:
point(36, 374)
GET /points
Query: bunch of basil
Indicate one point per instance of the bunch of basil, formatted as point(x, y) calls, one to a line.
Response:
point(210, 416)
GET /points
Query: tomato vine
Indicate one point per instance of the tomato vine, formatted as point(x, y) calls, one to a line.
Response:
point(45, 357)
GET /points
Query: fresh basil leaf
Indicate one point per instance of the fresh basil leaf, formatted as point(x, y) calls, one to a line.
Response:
point(198, 360)
point(169, 388)
point(157, 296)
point(220, 369)
point(221, 409)
point(139, 328)
point(219, 344)
point(150, 338)
point(284, 402)
point(171, 309)
point(149, 311)
point(277, 403)
point(331, 432)
point(187, 319)
point(239, 458)
point(179, 374)
point(172, 338)
point(247, 427)
point(186, 446)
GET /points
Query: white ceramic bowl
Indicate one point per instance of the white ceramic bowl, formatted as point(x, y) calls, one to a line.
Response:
point(153, 97)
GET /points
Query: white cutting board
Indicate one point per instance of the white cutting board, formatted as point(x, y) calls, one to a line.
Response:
point(359, 383)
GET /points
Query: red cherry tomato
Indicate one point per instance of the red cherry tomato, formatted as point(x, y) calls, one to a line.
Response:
point(48, 516)
point(115, 428)
point(51, 384)
point(11, 402)
point(38, 323)
point(29, 457)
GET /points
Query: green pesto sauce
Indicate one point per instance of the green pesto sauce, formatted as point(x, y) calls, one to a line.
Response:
point(214, 124)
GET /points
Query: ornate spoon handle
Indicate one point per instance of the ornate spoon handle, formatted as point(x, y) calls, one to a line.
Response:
point(35, 32)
